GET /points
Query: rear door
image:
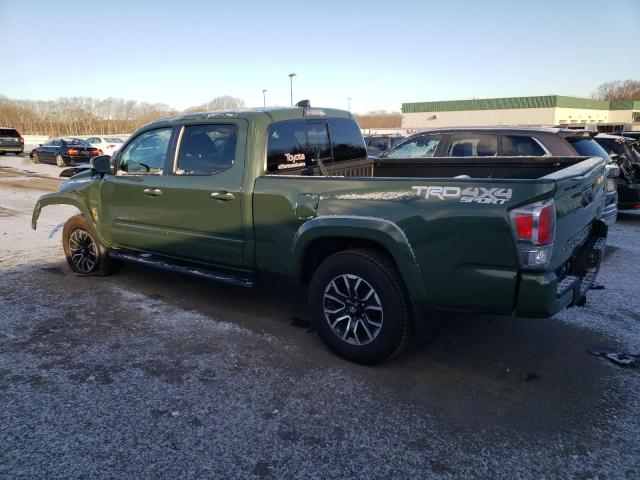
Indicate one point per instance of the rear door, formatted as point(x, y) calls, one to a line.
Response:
point(203, 194)
point(132, 201)
point(9, 138)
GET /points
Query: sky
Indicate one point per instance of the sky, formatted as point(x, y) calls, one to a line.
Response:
point(378, 53)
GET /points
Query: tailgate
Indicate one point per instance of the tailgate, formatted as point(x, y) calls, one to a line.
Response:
point(579, 201)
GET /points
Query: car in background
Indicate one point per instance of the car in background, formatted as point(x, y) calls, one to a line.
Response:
point(622, 150)
point(634, 135)
point(106, 145)
point(64, 152)
point(376, 144)
point(11, 141)
point(469, 142)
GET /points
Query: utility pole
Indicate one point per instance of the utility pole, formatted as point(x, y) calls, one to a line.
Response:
point(264, 98)
point(291, 75)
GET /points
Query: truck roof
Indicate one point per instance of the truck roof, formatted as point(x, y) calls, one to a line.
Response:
point(273, 114)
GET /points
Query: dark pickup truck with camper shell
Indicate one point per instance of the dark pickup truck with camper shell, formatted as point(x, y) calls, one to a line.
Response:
point(230, 195)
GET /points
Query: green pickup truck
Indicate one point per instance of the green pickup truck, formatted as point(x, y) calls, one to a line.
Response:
point(382, 248)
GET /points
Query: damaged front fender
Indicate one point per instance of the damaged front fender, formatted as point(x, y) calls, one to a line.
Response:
point(64, 198)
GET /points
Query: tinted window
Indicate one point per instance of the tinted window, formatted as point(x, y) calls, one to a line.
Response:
point(588, 147)
point(207, 149)
point(415, 147)
point(113, 140)
point(296, 144)
point(146, 153)
point(518, 146)
point(56, 143)
point(611, 146)
point(8, 132)
point(473, 145)
point(346, 139)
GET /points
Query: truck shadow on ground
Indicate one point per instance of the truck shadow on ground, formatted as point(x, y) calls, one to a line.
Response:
point(529, 375)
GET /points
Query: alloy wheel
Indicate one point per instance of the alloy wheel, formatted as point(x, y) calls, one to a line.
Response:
point(83, 252)
point(353, 309)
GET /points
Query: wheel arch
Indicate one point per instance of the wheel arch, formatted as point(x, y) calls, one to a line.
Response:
point(65, 198)
point(323, 236)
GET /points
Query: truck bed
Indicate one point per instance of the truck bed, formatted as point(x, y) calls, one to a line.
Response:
point(473, 167)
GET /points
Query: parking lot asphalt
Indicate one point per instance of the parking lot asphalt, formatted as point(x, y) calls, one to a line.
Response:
point(147, 374)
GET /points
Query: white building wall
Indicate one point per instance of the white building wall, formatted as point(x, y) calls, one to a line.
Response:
point(580, 115)
point(516, 116)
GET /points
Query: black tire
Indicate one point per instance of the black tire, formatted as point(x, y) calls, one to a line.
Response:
point(77, 239)
point(60, 161)
point(377, 272)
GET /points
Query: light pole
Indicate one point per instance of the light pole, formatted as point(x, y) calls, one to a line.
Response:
point(264, 98)
point(291, 75)
point(349, 100)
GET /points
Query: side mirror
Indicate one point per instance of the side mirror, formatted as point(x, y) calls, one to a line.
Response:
point(39, 144)
point(101, 164)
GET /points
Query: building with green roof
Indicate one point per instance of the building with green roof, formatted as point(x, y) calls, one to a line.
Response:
point(546, 110)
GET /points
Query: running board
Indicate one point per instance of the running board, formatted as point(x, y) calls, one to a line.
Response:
point(163, 263)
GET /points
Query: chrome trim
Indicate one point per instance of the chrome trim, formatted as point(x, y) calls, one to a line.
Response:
point(177, 152)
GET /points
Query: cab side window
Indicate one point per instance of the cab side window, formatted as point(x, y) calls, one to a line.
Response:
point(146, 154)
point(296, 144)
point(473, 145)
point(207, 149)
point(418, 147)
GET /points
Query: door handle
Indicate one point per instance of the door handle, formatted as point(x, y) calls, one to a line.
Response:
point(222, 195)
point(152, 192)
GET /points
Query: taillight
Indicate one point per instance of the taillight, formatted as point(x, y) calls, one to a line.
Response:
point(72, 151)
point(95, 152)
point(21, 140)
point(111, 146)
point(534, 228)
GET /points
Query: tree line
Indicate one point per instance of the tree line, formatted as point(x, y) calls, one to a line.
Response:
point(82, 115)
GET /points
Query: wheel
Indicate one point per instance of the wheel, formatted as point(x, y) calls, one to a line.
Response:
point(84, 254)
point(60, 161)
point(36, 158)
point(360, 307)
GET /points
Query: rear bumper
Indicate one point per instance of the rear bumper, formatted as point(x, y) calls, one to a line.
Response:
point(12, 148)
point(543, 294)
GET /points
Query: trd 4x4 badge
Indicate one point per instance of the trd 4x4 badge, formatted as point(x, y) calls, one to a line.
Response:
point(491, 196)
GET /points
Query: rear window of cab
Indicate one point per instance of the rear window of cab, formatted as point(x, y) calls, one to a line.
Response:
point(296, 144)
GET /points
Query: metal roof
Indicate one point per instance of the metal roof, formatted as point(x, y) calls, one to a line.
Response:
point(545, 101)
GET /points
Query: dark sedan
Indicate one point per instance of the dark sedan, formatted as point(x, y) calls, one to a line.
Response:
point(64, 151)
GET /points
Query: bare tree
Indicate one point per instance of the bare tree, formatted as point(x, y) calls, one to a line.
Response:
point(89, 116)
point(225, 102)
point(380, 119)
point(618, 90)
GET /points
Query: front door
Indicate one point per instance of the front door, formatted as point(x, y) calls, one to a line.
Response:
point(203, 195)
point(132, 200)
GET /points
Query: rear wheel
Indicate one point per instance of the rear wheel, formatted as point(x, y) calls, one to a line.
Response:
point(85, 255)
point(60, 161)
point(359, 306)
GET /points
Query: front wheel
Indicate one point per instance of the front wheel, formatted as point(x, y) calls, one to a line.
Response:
point(359, 306)
point(60, 161)
point(85, 255)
